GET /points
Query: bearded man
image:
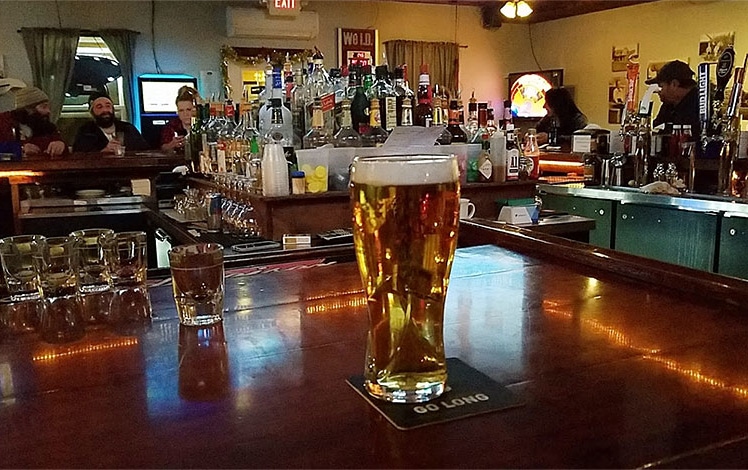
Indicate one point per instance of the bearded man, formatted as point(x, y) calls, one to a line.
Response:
point(30, 125)
point(106, 133)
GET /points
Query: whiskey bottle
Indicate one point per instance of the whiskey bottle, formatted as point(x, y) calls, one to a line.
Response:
point(403, 95)
point(513, 154)
point(485, 167)
point(382, 90)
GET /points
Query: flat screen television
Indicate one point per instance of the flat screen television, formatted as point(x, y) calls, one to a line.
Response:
point(527, 91)
point(158, 92)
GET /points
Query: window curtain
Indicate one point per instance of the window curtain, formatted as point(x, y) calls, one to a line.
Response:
point(52, 56)
point(443, 59)
point(122, 44)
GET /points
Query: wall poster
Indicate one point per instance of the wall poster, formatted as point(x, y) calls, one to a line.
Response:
point(712, 45)
point(357, 47)
point(621, 55)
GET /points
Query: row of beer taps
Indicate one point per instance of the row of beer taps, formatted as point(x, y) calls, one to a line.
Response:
point(720, 120)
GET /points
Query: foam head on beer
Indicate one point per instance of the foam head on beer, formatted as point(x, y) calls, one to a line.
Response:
point(391, 171)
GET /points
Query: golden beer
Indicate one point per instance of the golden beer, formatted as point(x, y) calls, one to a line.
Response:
point(405, 216)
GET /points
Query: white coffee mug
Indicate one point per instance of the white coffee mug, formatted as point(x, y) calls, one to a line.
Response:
point(467, 209)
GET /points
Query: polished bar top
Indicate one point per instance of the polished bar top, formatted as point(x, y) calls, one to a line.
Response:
point(613, 373)
point(92, 161)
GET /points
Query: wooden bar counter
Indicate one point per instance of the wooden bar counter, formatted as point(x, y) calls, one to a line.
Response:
point(613, 372)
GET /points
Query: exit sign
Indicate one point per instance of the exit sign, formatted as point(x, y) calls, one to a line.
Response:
point(284, 7)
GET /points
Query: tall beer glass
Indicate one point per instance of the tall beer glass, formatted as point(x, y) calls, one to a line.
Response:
point(405, 216)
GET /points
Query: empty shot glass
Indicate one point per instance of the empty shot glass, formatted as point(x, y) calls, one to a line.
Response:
point(197, 279)
point(16, 254)
point(62, 317)
point(94, 280)
point(125, 255)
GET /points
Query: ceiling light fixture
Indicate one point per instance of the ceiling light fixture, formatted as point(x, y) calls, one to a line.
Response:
point(513, 9)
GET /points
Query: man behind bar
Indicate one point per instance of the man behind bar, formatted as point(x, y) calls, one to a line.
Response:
point(29, 122)
point(100, 135)
point(679, 96)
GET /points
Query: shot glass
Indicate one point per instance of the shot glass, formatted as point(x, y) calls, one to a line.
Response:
point(405, 220)
point(16, 254)
point(125, 257)
point(203, 363)
point(197, 280)
point(94, 280)
point(62, 317)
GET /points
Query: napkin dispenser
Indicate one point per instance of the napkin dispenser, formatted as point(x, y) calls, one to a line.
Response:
point(591, 141)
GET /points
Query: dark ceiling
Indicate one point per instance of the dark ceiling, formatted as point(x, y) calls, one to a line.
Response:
point(544, 10)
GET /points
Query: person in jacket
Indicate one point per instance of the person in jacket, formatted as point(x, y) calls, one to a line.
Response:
point(30, 124)
point(105, 133)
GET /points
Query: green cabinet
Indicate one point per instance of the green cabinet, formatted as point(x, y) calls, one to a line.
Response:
point(601, 210)
point(733, 246)
point(687, 238)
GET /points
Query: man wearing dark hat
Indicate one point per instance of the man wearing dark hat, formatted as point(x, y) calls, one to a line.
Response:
point(679, 96)
point(104, 133)
point(29, 122)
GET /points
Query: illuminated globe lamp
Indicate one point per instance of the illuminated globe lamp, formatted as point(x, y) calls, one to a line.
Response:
point(513, 9)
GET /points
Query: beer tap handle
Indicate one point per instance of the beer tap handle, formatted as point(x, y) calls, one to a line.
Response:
point(724, 71)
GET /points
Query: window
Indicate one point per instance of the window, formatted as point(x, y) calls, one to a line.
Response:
point(95, 69)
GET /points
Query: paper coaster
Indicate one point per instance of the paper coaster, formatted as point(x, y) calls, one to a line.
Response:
point(469, 393)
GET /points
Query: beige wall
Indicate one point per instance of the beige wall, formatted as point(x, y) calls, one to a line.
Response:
point(188, 36)
point(664, 30)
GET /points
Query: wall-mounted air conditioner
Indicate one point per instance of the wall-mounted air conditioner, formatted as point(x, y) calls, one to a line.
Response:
point(256, 23)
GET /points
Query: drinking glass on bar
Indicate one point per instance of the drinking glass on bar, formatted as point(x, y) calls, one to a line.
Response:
point(94, 278)
point(62, 317)
point(405, 218)
point(126, 258)
point(197, 279)
point(16, 254)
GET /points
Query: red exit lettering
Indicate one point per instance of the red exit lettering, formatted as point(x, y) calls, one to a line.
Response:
point(285, 4)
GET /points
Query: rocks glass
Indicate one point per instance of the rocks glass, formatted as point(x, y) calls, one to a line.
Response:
point(197, 279)
point(125, 257)
point(94, 278)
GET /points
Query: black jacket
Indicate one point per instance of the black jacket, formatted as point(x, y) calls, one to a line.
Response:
point(90, 138)
point(685, 112)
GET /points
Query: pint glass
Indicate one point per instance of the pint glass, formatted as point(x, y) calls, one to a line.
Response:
point(405, 217)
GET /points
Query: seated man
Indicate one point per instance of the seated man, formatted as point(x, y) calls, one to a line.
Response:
point(29, 122)
point(100, 135)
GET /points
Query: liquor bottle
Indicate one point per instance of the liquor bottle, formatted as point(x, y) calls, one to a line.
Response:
point(210, 140)
point(513, 154)
point(490, 120)
point(382, 90)
point(472, 118)
point(225, 133)
point(482, 123)
point(507, 114)
point(498, 156)
point(288, 81)
point(424, 112)
point(485, 166)
point(375, 136)
point(244, 133)
point(254, 168)
point(445, 138)
point(453, 126)
point(346, 135)
point(195, 136)
point(403, 94)
point(280, 131)
point(320, 86)
point(532, 155)
point(339, 88)
point(298, 104)
point(553, 133)
point(407, 114)
point(318, 135)
point(359, 103)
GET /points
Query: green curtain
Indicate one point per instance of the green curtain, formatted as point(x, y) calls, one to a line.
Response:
point(443, 59)
point(122, 44)
point(52, 56)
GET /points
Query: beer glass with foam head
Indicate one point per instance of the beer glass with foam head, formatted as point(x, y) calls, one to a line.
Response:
point(405, 218)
